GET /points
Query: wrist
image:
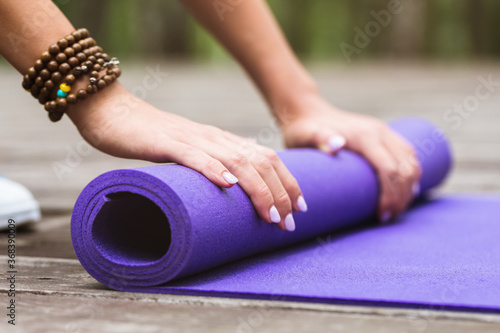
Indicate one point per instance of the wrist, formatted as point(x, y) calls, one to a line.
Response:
point(288, 89)
point(293, 102)
point(88, 112)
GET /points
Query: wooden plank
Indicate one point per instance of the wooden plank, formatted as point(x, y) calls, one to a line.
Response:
point(57, 295)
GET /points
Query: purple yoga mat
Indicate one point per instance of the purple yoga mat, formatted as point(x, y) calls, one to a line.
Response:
point(168, 229)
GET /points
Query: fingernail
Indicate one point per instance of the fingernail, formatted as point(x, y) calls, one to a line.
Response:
point(302, 204)
point(230, 178)
point(275, 216)
point(385, 217)
point(336, 142)
point(289, 223)
point(415, 189)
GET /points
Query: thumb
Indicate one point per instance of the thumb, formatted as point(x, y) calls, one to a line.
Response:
point(323, 138)
point(329, 141)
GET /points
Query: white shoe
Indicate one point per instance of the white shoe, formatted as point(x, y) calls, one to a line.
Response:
point(16, 203)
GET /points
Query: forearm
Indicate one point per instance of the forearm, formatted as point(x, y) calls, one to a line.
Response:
point(29, 27)
point(250, 33)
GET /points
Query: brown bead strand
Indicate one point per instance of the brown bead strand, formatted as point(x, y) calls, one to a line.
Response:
point(65, 62)
point(58, 72)
point(96, 83)
point(49, 59)
point(56, 110)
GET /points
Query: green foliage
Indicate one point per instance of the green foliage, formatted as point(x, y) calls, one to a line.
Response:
point(450, 29)
point(202, 45)
point(448, 20)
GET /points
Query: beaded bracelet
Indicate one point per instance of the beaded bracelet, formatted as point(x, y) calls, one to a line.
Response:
point(53, 74)
point(56, 108)
point(62, 65)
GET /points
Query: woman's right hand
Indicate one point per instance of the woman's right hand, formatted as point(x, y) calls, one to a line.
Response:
point(120, 124)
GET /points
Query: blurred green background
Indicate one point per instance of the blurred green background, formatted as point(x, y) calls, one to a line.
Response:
point(425, 29)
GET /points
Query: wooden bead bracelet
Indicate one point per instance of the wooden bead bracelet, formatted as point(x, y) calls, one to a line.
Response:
point(62, 65)
point(53, 75)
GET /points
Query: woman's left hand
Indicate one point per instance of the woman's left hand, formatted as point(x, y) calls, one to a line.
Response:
point(322, 126)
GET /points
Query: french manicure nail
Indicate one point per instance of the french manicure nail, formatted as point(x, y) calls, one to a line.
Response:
point(336, 142)
point(385, 217)
point(302, 204)
point(289, 223)
point(230, 178)
point(275, 216)
point(415, 189)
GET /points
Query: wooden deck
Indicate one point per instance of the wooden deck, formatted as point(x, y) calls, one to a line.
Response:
point(55, 294)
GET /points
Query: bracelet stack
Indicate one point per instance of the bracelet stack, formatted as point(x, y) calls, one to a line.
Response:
point(72, 58)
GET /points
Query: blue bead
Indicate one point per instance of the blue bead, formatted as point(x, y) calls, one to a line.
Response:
point(61, 94)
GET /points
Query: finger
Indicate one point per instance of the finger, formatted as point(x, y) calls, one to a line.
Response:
point(287, 179)
point(407, 157)
point(404, 185)
point(262, 159)
point(410, 165)
point(280, 196)
point(200, 161)
point(329, 140)
point(285, 189)
point(387, 171)
point(251, 149)
point(323, 138)
point(253, 184)
point(408, 170)
point(236, 159)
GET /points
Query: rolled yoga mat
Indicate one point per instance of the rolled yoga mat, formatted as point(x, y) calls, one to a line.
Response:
point(168, 229)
